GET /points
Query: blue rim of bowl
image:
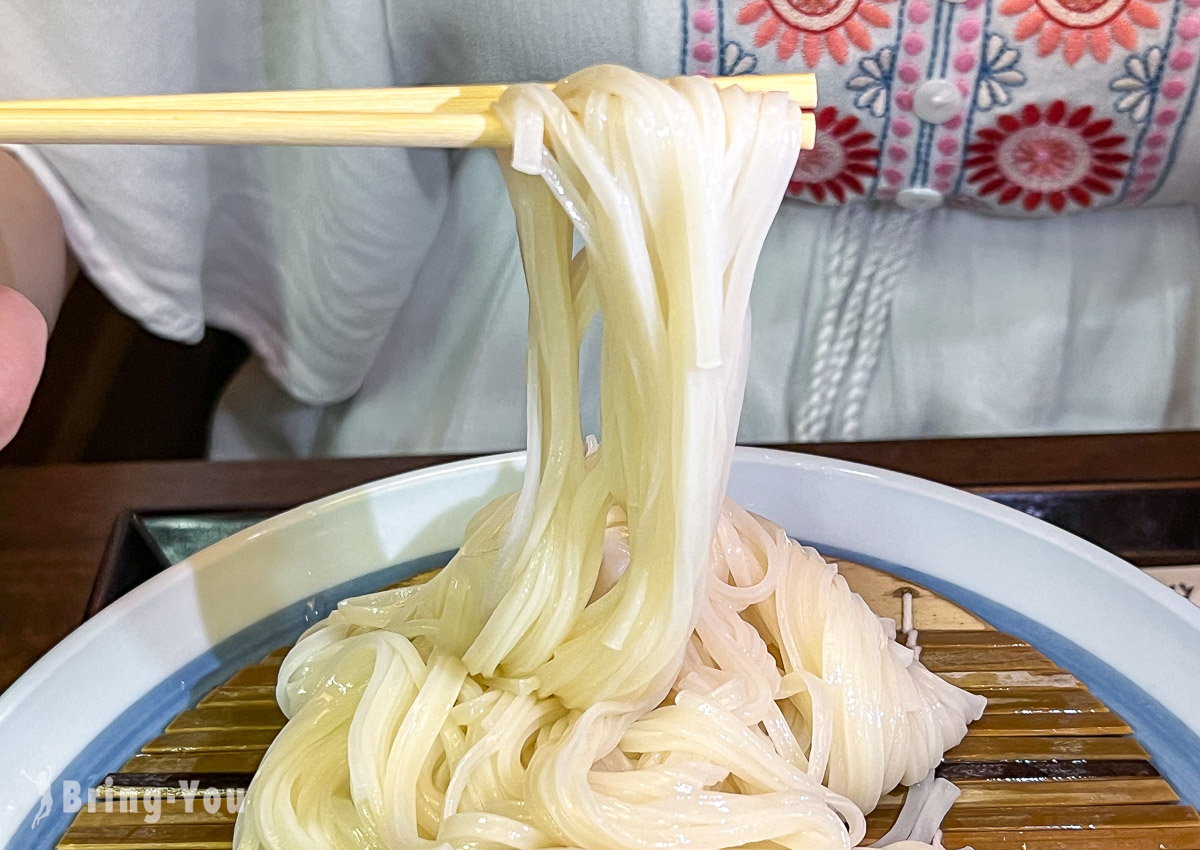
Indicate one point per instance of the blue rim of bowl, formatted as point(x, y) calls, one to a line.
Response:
point(146, 718)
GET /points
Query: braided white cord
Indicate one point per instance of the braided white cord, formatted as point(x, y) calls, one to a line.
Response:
point(825, 395)
point(865, 256)
point(896, 240)
point(850, 325)
point(839, 270)
point(841, 261)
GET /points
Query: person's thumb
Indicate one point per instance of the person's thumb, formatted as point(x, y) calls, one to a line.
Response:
point(23, 335)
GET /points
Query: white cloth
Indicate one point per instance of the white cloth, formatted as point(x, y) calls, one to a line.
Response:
point(380, 289)
point(1086, 323)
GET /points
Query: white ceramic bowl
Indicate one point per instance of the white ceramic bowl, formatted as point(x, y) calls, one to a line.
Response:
point(117, 680)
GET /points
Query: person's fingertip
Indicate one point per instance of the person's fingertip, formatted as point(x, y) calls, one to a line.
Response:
point(23, 337)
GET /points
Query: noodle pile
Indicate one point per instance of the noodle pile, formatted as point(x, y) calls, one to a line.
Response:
point(617, 657)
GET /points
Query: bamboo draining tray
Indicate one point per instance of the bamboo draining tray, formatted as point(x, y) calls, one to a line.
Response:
point(1047, 767)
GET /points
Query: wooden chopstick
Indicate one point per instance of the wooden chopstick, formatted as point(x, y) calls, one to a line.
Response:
point(426, 116)
point(416, 99)
point(204, 127)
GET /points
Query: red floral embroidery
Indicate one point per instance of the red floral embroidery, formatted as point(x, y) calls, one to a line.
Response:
point(815, 26)
point(842, 157)
point(1079, 26)
point(1047, 156)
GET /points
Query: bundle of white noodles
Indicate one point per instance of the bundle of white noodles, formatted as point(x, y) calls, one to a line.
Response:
point(615, 658)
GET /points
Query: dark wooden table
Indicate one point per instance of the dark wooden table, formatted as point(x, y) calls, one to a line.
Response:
point(55, 520)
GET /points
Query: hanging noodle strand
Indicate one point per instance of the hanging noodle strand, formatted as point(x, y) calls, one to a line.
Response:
point(618, 656)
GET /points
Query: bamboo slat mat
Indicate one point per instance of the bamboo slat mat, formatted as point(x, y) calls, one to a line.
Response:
point(1047, 767)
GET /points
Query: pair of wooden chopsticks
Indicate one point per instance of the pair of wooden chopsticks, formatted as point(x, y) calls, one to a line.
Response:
point(427, 116)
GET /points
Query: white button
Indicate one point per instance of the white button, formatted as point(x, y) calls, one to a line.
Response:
point(937, 101)
point(919, 198)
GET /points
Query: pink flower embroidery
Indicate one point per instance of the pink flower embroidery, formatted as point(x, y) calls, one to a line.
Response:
point(842, 157)
point(1079, 26)
point(815, 26)
point(1047, 156)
